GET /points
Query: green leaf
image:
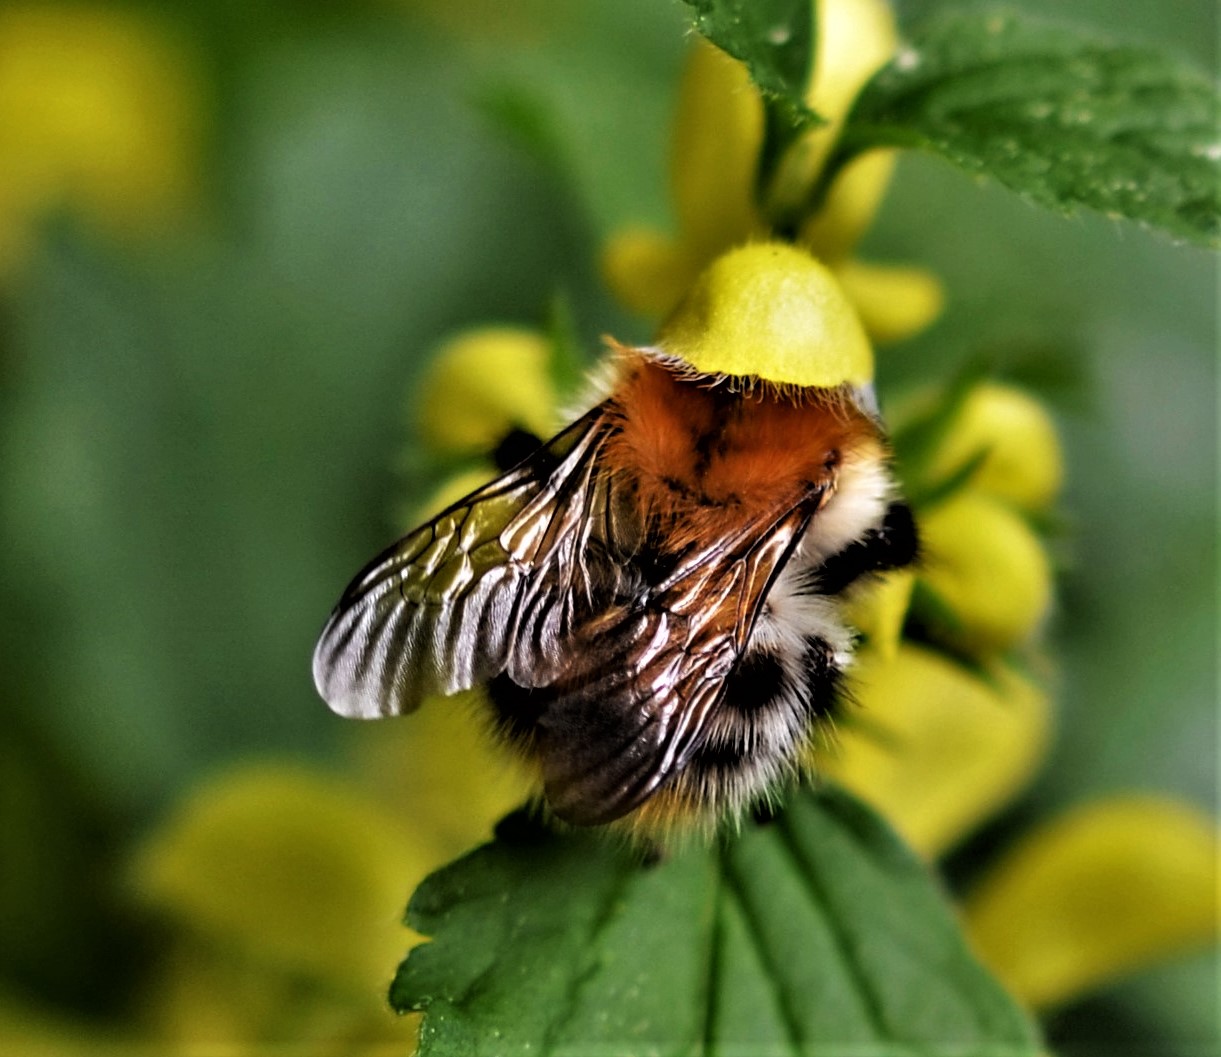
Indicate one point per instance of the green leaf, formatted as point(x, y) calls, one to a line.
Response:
point(818, 933)
point(774, 38)
point(1063, 118)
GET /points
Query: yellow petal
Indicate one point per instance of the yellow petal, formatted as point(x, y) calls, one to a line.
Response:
point(850, 206)
point(855, 38)
point(987, 566)
point(98, 109)
point(482, 384)
point(936, 749)
point(718, 130)
point(894, 302)
point(769, 309)
point(1023, 462)
point(291, 868)
point(647, 271)
point(878, 608)
point(1107, 888)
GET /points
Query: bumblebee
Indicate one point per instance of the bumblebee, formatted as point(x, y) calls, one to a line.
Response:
point(652, 597)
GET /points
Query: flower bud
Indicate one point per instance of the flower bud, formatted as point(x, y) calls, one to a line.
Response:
point(646, 270)
point(1022, 460)
point(482, 384)
point(988, 568)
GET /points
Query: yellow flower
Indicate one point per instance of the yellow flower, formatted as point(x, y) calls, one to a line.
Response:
point(988, 569)
point(771, 310)
point(98, 111)
point(718, 133)
point(295, 868)
point(480, 385)
point(1105, 889)
point(1099, 891)
point(284, 890)
point(1013, 439)
point(938, 749)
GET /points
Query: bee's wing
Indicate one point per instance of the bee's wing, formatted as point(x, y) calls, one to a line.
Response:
point(535, 575)
point(452, 604)
point(642, 681)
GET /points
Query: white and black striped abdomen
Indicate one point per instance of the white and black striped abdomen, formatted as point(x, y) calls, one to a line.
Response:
point(790, 675)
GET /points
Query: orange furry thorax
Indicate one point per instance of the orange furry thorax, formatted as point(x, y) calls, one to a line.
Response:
point(701, 450)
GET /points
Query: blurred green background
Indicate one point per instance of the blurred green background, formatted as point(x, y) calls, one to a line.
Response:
point(206, 371)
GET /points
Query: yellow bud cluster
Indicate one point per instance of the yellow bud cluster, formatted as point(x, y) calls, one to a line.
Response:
point(983, 560)
point(936, 745)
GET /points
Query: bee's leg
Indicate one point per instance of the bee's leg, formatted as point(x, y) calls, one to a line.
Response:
point(516, 710)
point(891, 545)
point(764, 813)
point(515, 447)
point(652, 854)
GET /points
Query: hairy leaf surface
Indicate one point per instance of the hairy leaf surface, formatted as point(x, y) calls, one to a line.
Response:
point(816, 933)
point(1056, 114)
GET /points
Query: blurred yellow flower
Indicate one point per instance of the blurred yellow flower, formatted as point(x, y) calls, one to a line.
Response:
point(1014, 440)
point(482, 384)
point(100, 112)
point(284, 890)
point(1099, 891)
point(988, 571)
point(936, 748)
point(718, 133)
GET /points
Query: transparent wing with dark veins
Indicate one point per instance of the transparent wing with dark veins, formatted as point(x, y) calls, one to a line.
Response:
point(633, 704)
point(447, 607)
point(538, 576)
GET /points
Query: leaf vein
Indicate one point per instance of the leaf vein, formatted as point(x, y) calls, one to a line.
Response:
point(773, 973)
point(576, 984)
point(870, 999)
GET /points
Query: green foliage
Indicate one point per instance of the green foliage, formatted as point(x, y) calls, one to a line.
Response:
point(819, 929)
point(198, 439)
point(774, 38)
point(1061, 117)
